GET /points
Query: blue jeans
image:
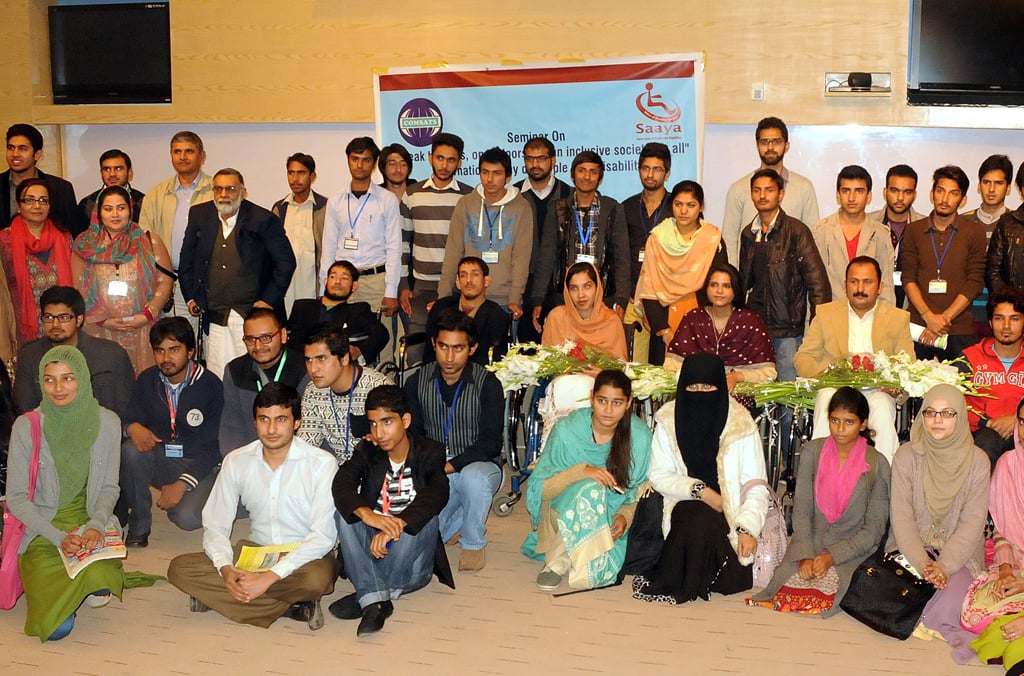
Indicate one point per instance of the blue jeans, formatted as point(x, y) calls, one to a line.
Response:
point(407, 567)
point(139, 471)
point(469, 501)
point(785, 350)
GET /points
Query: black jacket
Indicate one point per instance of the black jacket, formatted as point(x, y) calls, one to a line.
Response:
point(796, 275)
point(1005, 264)
point(491, 322)
point(357, 320)
point(64, 209)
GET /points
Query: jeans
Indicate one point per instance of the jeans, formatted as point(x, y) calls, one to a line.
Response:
point(406, 568)
point(469, 501)
point(785, 350)
point(139, 471)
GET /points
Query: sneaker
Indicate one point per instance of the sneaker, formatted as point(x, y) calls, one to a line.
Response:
point(548, 580)
point(472, 560)
point(97, 600)
point(196, 606)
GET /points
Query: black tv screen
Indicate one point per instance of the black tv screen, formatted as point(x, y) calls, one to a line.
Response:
point(117, 53)
point(966, 53)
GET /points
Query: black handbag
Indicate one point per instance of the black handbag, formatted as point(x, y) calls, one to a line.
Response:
point(643, 548)
point(886, 596)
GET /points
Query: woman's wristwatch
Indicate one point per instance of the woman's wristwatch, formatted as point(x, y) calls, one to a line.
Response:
point(740, 530)
point(697, 490)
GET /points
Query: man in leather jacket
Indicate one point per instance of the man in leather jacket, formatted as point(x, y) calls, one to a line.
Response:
point(1005, 264)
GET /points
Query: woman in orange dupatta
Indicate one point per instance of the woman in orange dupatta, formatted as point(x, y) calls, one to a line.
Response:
point(678, 254)
point(584, 317)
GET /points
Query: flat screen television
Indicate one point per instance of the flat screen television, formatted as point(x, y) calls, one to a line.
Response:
point(118, 53)
point(966, 53)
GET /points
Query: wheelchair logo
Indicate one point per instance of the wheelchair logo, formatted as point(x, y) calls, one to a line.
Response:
point(651, 105)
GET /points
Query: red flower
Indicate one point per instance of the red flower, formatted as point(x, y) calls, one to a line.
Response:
point(867, 364)
point(855, 363)
point(577, 352)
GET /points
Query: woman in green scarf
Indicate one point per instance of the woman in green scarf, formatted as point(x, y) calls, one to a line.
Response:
point(583, 492)
point(79, 458)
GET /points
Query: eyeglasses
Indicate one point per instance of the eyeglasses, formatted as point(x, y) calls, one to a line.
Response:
point(263, 338)
point(41, 201)
point(229, 189)
point(768, 142)
point(63, 318)
point(535, 159)
point(945, 414)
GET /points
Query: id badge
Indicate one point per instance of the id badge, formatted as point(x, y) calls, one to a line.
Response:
point(448, 455)
point(936, 286)
point(490, 257)
point(351, 243)
point(897, 277)
point(640, 256)
point(586, 258)
point(116, 287)
point(174, 450)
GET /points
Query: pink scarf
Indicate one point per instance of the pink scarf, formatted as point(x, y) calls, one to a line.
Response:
point(1006, 493)
point(833, 486)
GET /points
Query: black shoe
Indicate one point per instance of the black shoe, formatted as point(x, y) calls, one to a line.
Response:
point(141, 540)
point(373, 618)
point(346, 608)
point(196, 606)
point(309, 612)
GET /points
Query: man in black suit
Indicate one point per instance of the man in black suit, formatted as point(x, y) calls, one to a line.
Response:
point(366, 335)
point(24, 150)
point(235, 256)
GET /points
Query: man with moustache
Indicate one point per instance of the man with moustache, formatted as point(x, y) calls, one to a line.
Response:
point(898, 213)
point(366, 335)
point(302, 213)
point(474, 277)
point(864, 323)
point(943, 261)
point(235, 257)
point(994, 179)
point(650, 206)
point(115, 169)
point(772, 136)
point(1005, 266)
point(171, 428)
point(24, 151)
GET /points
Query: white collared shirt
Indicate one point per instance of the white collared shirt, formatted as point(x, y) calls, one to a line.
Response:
point(756, 225)
point(226, 226)
point(543, 192)
point(373, 226)
point(859, 341)
point(298, 226)
point(290, 504)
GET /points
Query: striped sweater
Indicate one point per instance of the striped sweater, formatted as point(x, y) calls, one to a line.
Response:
point(426, 216)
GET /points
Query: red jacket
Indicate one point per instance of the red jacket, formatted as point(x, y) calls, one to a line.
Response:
point(1006, 386)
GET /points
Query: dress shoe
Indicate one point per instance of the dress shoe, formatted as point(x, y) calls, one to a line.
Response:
point(373, 618)
point(472, 560)
point(309, 612)
point(346, 608)
point(141, 540)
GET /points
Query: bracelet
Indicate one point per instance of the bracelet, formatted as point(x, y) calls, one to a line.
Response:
point(149, 314)
point(697, 490)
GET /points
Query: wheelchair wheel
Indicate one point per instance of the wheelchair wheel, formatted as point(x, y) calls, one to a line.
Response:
point(502, 504)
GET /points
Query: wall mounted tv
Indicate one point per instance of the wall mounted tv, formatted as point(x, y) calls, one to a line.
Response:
point(966, 53)
point(115, 53)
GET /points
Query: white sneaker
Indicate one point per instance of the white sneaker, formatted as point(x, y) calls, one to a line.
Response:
point(94, 601)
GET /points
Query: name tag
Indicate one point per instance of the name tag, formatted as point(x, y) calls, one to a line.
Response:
point(897, 277)
point(490, 257)
point(116, 287)
point(351, 243)
point(937, 286)
point(174, 450)
point(640, 256)
point(586, 258)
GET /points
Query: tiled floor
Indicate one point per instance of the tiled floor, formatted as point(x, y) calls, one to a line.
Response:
point(497, 622)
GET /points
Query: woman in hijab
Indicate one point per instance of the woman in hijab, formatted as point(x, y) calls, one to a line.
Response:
point(583, 493)
point(938, 510)
point(584, 317)
point(706, 449)
point(79, 457)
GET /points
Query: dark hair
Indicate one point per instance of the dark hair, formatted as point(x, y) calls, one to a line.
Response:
point(1020, 405)
point(657, 151)
point(35, 138)
point(902, 171)
point(263, 313)
point(394, 149)
point(619, 457)
point(693, 188)
point(996, 163)
point(330, 335)
point(188, 137)
point(851, 400)
point(953, 173)
point(853, 172)
point(278, 394)
point(454, 319)
point(585, 156)
point(228, 171)
point(28, 183)
point(360, 144)
point(497, 155)
point(734, 280)
point(387, 397)
point(352, 270)
point(864, 260)
point(302, 158)
point(63, 295)
point(577, 268)
point(1006, 294)
point(767, 173)
point(538, 142)
point(109, 191)
point(116, 153)
point(1019, 180)
point(772, 123)
point(474, 260)
point(177, 328)
point(446, 139)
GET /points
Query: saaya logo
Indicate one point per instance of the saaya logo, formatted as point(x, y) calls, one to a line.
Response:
point(651, 105)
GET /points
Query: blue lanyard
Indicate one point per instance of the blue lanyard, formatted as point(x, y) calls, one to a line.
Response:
point(451, 411)
point(277, 374)
point(490, 224)
point(348, 412)
point(643, 219)
point(348, 207)
point(938, 260)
